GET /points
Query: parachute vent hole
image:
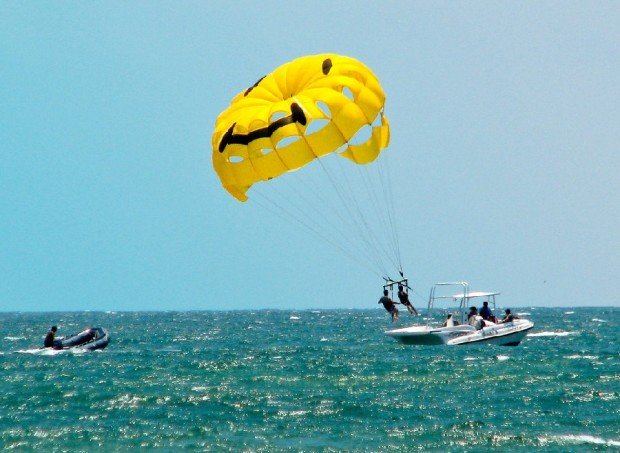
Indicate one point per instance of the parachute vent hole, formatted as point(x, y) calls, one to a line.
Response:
point(377, 121)
point(287, 141)
point(265, 151)
point(348, 93)
point(323, 107)
point(362, 135)
point(276, 116)
point(235, 159)
point(316, 125)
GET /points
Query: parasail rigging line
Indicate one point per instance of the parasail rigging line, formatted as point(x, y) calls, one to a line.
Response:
point(318, 211)
point(389, 200)
point(363, 232)
point(286, 215)
point(372, 192)
point(356, 201)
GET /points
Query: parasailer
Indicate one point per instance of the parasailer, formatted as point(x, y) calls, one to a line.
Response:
point(389, 305)
point(403, 296)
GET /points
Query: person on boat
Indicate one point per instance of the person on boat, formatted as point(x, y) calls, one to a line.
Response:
point(389, 305)
point(450, 321)
point(509, 317)
point(474, 319)
point(404, 299)
point(486, 312)
point(471, 317)
point(49, 338)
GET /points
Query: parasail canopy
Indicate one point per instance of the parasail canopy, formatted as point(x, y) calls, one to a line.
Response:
point(304, 110)
point(301, 120)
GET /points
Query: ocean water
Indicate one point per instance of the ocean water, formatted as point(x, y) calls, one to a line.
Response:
point(317, 380)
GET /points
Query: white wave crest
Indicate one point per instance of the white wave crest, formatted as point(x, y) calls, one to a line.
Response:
point(42, 351)
point(577, 356)
point(294, 318)
point(501, 358)
point(50, 351)
point(569, 312)
point(553, 334)
point(14, 338)
point(599, 320)
point(580, 439)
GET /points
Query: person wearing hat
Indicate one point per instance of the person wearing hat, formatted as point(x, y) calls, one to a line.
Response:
point(49, 338)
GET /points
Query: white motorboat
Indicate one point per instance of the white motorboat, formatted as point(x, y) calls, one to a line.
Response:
point(456, 330)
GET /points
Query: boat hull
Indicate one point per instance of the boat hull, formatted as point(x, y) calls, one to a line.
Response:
point(509, 334)
point(89, 339)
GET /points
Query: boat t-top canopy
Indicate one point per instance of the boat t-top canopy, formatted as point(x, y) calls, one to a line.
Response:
point(474, 294)
point(463, 297)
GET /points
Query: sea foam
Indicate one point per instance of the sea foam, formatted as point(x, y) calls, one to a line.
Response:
point(553, 334)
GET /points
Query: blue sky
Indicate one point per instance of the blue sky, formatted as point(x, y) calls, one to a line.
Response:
point(505, 137)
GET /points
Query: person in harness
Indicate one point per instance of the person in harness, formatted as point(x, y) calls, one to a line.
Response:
point(404, 299)
point(389, 305)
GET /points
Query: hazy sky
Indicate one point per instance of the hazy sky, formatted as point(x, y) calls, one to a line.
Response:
point(505, 130)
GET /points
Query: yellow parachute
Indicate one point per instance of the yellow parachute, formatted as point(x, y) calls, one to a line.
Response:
point(267, 129)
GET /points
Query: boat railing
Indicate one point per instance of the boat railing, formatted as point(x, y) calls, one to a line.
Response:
point(463, 299)
point(434, 296)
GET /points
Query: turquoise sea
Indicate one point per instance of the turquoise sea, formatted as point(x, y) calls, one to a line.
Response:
point(316, 380)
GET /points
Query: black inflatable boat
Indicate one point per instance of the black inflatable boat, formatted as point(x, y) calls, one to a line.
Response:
point(89, 339)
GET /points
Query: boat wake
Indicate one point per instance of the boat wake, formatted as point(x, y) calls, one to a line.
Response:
point(50, 351)
point(586, 357)
point(553, 334)
point(579, 439)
